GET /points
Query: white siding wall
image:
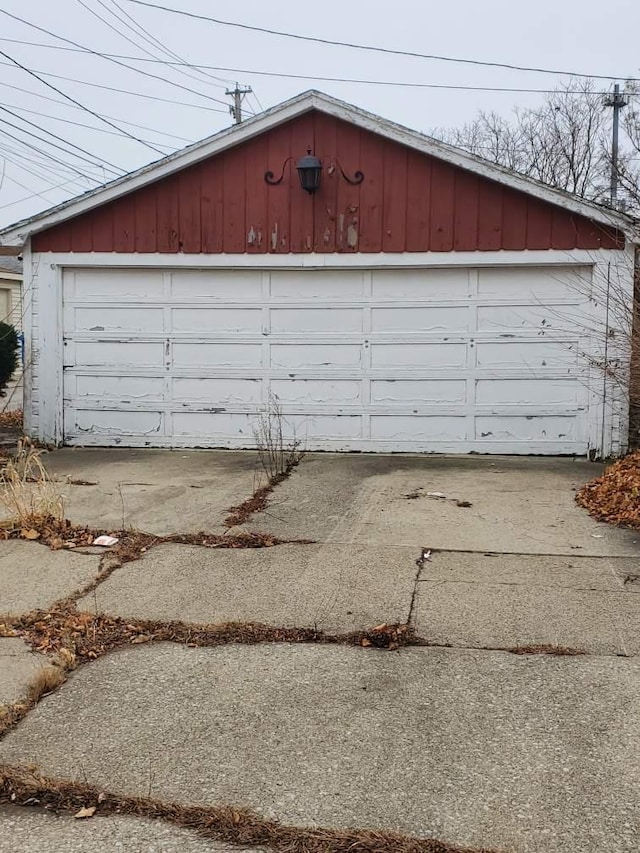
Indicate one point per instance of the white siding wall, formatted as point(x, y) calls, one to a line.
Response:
point(11, 312)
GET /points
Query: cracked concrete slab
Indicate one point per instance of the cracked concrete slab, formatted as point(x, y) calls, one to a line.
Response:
point(504, 616)
point(18, 666)
point(334, 588)
point(23, 830)
point(157, 491)
point(571, 572)
point(503, 601)
point(520, 504)
point(32, 576)
point(484, 749)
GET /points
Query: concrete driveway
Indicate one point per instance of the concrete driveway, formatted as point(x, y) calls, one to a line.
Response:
point(470, 738)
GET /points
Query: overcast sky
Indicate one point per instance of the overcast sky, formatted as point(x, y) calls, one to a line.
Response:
point(581, 36)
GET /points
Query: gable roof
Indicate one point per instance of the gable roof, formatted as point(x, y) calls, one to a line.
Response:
point(17, 233)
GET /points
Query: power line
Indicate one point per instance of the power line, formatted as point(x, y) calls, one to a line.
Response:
point(39, 150)
point(378, 49)
point(317, 78)
point(73, 100)
point(40, 168)
point(87, 126)
point(137, 28)
point(116, 170)
point(119, 91)
point(32, 195)
point(112, 59)
point(127, 38)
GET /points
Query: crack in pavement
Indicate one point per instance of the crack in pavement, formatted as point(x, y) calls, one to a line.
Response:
point(24, 787)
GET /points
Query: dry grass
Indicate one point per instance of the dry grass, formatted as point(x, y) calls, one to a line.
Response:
point(28, 493)
point(227, 824)
point(47, 680)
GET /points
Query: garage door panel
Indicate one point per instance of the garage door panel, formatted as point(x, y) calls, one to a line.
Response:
point(528, 428)
point(317, 285)
point(311, 356)
point(121, 354)
point(210, 356)
point(104, 284)
point(226, 284)
point(207, 425)
point(421, 284)
point(328, 320)
point(535, 284)
point(418, 391)
point(411, 320)
point(323, 391)
point(216, 391)
point(530, 354)
point(530, 392)
point(418, 355)
point(211, 320)
point(307, 427)
point(122, 388)
point(423, 428)
point(105, 319)
point(114, 423)
point(539, 317)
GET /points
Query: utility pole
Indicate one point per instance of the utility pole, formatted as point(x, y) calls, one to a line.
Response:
point(238, 96)
point(618, 100)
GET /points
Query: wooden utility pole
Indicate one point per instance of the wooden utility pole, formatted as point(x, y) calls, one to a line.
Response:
point(618, 100)
point(238, 96)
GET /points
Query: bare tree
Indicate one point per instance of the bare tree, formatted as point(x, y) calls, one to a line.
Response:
point(565, 142)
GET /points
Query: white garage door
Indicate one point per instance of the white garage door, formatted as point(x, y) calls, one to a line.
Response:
point(447, 360)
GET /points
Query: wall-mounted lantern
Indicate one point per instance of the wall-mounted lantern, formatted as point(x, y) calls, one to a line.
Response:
point(310, 171)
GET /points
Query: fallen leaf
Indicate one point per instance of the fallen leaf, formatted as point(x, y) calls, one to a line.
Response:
point(87, 812)
point(141, 638)
point(29, 534)
point(102, 797)
point(364, 642)
point(382, 627)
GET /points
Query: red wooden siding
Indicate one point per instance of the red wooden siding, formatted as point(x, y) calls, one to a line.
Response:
point(408, 202)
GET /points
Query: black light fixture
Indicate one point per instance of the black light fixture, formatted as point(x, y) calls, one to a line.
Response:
point(309, 171)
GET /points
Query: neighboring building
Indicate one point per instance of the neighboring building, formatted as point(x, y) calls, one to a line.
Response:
point(421, 299)
point(11, 312)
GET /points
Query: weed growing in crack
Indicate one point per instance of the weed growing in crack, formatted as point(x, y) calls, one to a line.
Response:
point(28, 493)
point(48, 679)
point(278, 454)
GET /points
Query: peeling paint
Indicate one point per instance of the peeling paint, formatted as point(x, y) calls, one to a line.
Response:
point(252, 236)
point(274, 237)
point(352, 235)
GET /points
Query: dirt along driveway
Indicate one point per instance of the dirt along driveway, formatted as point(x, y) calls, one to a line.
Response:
point(434, 648)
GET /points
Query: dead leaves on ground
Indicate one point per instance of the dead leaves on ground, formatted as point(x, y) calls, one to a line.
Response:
point(615, 496)
point(60, 534)
point(77, 637)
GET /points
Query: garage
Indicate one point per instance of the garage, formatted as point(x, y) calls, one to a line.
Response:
point(406, 296)
point(445, 359)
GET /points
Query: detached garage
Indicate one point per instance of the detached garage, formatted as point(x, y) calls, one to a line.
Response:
point(391, 292)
